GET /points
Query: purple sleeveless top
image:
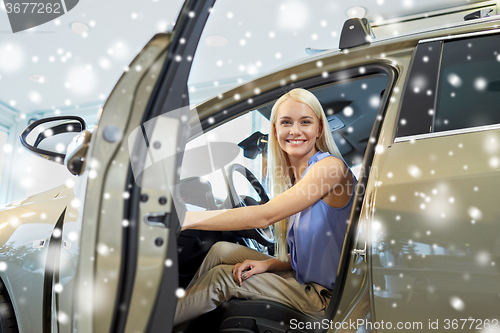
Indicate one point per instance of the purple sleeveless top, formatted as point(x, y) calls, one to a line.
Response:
point(316, 236)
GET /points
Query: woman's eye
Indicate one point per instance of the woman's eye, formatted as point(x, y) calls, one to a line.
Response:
point(284, 122)
point(306, 122)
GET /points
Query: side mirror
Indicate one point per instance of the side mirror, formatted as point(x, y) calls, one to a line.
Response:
point(50, 137)
point(76, 154)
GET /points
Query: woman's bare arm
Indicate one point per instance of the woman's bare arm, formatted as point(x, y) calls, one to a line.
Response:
point(275, 265)
point(318, 182)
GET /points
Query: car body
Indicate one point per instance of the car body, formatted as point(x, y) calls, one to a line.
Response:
point(413, 115)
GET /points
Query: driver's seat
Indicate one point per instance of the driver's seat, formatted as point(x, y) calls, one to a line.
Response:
point(263, 316)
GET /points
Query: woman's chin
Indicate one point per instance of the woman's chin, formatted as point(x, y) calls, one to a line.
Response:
point(297, 151)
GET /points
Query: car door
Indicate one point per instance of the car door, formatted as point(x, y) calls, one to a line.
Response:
point(435, 231)
point(126, 273)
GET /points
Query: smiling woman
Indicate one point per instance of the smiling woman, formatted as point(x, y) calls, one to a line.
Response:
point(303, 157)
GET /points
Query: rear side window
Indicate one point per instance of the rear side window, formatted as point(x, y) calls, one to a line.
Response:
point(469, 87)
point(452, 85)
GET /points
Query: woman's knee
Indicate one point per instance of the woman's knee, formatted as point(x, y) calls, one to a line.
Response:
point(217, 280)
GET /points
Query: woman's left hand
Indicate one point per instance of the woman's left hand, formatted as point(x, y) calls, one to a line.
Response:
point(244, 270)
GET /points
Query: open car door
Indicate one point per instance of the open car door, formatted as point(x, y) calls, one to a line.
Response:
point(127, 271)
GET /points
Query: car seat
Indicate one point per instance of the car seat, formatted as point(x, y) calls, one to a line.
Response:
point(262, 316)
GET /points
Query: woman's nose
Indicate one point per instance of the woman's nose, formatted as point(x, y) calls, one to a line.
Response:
point(294, 129)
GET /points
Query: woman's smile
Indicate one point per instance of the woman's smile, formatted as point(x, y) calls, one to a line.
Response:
point(295, 143)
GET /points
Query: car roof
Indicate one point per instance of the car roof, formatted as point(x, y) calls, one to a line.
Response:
point(427, 33)
point(376, 49)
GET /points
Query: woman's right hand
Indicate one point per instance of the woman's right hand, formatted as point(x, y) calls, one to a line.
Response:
point(244, 270)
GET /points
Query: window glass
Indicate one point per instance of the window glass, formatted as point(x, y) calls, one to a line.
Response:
point(351, 107)
point(469, 84)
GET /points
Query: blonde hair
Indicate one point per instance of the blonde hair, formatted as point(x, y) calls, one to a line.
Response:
point(279, 168)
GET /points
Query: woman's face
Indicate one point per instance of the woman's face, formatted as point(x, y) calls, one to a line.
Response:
point(297, 128)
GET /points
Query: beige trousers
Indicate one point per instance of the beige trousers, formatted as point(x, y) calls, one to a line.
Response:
point(213, 284)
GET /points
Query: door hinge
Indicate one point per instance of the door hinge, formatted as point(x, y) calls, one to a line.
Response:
point(360, 253)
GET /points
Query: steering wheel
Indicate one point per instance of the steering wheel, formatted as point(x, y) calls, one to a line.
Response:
point(264, 236)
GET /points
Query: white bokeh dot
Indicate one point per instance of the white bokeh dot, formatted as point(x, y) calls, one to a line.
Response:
point(180, 293)
point(457, 303)
point(58, 287)
point(62, 317)
point(480, 84)
point(348, 111)
point(57, 232)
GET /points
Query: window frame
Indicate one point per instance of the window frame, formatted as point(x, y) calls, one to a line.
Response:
point(265, 97)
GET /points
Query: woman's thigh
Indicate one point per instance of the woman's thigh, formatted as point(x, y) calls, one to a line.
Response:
point(225, 253)
point(281, 287)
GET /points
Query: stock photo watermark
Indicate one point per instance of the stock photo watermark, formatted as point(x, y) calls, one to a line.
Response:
point(26, 14)
point(434, 324)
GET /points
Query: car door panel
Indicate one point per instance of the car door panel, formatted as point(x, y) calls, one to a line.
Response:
point(443, 248)
point(100, 256)
point(127, 225)
point(156, 226)
point(435, 230)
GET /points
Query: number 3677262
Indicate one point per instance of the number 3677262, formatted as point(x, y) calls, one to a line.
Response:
point(33, 8)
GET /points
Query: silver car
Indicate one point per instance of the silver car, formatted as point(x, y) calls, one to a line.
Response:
point(416, 117)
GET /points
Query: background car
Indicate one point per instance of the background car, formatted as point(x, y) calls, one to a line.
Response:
point(415, 116)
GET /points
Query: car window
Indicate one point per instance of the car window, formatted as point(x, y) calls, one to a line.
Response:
point(452, 85)
point(469, 84)
point(233, 131)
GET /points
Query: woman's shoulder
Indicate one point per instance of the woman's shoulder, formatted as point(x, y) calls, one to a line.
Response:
point(328, 166)
point(328, 159)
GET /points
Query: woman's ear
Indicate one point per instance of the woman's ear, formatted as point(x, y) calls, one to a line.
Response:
point(320, 129)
